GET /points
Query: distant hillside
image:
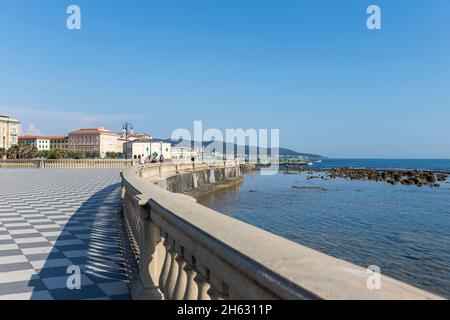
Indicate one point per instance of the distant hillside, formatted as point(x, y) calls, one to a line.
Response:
point(228, 146)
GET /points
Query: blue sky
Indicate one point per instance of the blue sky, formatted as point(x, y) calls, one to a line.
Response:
point(310, 68)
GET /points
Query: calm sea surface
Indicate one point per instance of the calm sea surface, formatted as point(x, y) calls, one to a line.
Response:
point(405, 230)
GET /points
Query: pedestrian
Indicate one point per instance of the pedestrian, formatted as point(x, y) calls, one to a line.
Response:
point(142, 160)
point(161, 158)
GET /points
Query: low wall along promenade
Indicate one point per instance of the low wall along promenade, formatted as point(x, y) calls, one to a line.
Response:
point(184, 250)
point(66, 164)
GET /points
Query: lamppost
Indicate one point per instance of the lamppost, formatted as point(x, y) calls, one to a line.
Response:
point(127, 128)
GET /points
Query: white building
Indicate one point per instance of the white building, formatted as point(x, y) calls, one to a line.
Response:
point(41, 143)
point(9, 132)
point(186, 153)
point(149, 149)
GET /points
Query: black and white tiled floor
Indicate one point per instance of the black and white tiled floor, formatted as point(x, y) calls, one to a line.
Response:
point(53, 219)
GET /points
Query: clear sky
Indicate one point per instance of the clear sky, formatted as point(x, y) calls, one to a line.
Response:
point(310, 68)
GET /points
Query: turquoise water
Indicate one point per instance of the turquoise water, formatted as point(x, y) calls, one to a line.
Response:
point(405, 230)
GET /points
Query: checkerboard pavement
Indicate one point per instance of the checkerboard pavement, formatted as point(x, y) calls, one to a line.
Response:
point(53, 219)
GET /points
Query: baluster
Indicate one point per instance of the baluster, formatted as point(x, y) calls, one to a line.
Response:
point(160, 255)
point(173, 273)
point(202, 280)
point(149, 238)
point(191, 286)
point(166, 266)
point(180, 287)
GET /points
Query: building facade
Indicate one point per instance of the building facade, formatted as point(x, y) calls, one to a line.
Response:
point(161, 148)
point(98, 140)
point(149, 149)
point(187, 153)
point(137, 148)
point(9, 132)
point(61, 143)
point(40, 143)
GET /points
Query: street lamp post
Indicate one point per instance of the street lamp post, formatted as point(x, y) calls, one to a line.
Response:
point(127, 128)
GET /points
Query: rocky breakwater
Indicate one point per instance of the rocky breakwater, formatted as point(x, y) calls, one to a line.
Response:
point(394, 177)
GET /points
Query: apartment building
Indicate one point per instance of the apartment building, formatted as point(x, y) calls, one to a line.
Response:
point(39, 142)
point(149, 148)
point(61, 143)
point(98, 140)
point(9, 131)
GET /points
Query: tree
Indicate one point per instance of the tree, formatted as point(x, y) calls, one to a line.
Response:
point(114, 155)
point(58, 154)
point(92, 155)
point(43, 154)
point(3, 153)
point(22, 151)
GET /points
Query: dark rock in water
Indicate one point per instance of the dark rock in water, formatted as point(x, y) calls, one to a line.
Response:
point(252, 191)
point(405, 177)
point(419, 181)
point(437, 185)
point(306, 187)
point(410, 174)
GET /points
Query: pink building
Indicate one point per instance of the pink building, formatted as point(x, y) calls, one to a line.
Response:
point(95, 140)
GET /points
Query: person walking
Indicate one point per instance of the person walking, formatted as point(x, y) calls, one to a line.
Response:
point(142, 160)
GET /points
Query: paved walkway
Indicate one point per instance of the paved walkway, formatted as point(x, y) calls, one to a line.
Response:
point(51, 220)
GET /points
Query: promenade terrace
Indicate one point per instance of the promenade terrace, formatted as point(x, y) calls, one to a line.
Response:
point(159, 245)
point(52, 219)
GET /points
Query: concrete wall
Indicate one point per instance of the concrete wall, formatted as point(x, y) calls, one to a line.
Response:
point(190, 182)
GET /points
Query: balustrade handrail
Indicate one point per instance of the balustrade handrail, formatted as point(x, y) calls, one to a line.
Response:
point(65, 163)
point(188, 251)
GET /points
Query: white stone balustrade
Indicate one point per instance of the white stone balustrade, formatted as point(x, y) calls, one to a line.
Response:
point(67, 164)
point(190, 252)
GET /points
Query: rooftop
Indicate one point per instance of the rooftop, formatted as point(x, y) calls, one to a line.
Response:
point(100, 130)
point(41, 137)
point(8, 118)
point(32, 137)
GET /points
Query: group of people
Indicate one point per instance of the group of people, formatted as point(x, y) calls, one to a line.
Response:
point(161, 159)
point(142, 160)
